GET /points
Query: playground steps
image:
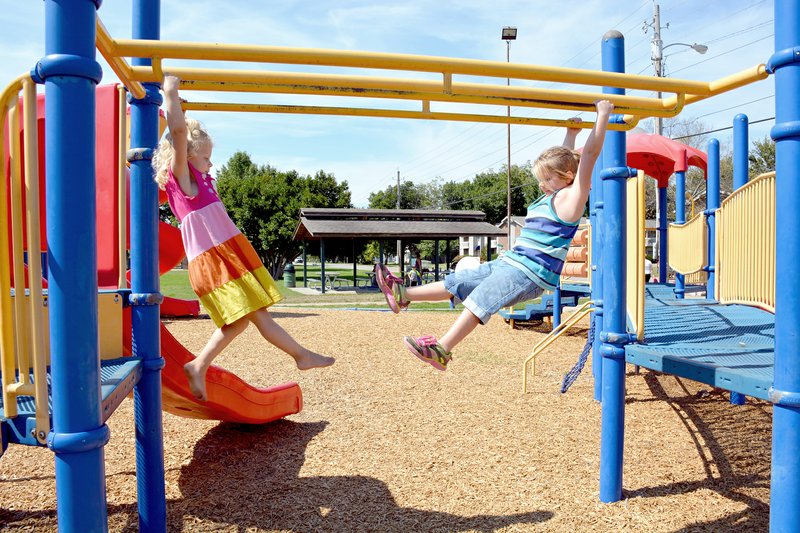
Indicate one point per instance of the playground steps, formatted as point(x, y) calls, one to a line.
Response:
point(727, 346)
point(118, 377)
point(537, 311)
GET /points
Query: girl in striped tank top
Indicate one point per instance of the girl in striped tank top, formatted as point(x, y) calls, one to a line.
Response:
point(224, 269)
point(531, 267)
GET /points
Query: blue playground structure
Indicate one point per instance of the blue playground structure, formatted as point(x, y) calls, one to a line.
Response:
point(736, 338)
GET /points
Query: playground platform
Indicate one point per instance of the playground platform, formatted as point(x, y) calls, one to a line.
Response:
point(118, 377)
point(727, 346)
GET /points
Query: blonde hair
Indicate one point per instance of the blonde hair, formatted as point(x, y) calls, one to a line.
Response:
point(558, 160)
point(197, 138)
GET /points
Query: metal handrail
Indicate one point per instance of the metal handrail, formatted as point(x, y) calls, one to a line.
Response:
point(551, 337)
point(24, 328)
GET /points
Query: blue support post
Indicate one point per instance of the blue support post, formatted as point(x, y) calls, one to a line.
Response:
point(712, 204)
point(557, 307)
point(71, 74)
point(614, 327)
point(145, 315)
point(785, 63)
point(680, 218)
point(596, 218)
point(741, 174)
point(663, 272)
point(741, 148)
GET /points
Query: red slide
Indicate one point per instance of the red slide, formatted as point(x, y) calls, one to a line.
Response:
point(229, 398)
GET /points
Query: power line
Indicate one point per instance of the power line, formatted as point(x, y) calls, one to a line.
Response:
point(719, 129)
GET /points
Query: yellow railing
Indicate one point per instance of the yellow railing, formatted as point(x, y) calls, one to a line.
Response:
point(27, 316)
point(634, 281)
point(424, 91)
point(688, 245)
point(697, 278)
point(745, 247)
point(542, 345)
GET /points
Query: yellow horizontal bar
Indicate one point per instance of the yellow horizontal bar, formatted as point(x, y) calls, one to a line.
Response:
point(728, 83)
point(396, 113)
point(389, 61)
point(105, 44)
point(21, 389)
point(413, 89)
point(413, 95)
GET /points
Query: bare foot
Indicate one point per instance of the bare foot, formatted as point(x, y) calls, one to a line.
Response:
point(197, 381)
point(313, 360)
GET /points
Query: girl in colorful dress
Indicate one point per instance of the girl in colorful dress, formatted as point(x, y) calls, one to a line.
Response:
point(531, 267)
point(224, 269)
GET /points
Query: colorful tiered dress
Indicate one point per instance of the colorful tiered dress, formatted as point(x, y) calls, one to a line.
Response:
point(224, 269)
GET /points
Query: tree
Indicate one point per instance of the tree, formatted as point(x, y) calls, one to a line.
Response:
point(762, 157)
point(265, 204)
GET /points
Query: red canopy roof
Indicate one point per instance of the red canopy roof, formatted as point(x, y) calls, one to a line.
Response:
point(660, 157)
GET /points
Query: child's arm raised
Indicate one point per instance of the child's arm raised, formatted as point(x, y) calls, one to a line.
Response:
point(572, 134)
point(571, 201)
point(178, 131)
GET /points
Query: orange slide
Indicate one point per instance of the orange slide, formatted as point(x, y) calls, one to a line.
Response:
point(229, 398)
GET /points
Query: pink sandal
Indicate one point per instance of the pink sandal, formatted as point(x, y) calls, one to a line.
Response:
point(392, 288)
point(428, 349)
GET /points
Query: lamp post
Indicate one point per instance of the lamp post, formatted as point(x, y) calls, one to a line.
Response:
point(658, 58)
point(509, 34)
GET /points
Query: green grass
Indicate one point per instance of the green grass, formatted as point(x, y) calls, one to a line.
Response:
point(176, 284)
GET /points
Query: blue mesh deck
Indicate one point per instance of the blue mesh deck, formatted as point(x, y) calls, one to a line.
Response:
point(726, 346)
point(118, 377)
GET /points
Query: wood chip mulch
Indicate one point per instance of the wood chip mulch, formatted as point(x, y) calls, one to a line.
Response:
point(387, 443)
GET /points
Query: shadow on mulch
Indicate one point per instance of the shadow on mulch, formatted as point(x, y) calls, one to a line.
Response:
point(250, 476)
point(731, 441)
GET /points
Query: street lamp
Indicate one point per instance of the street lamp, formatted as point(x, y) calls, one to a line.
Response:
point(658, 57)
point(509, 34)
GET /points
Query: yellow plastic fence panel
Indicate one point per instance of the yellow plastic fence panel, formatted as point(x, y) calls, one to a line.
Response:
point(696, 278)
point(109, 325)
point(746, 245)
point(634, 257)
point(688, 245)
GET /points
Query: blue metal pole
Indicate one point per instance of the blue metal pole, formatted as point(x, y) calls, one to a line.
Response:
point(741, 147)
point(712, 204)
point(557, 307)
point(597, 220)
point(663, 273)
point(741, 169)
point(680, 218)
point(145, 316)
point(614, 327)
point(785, 63)
point(70, 74)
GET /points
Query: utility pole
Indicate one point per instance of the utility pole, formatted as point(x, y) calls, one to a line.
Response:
point(657, 57)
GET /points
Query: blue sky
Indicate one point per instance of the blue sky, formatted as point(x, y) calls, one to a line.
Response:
point(368, 152)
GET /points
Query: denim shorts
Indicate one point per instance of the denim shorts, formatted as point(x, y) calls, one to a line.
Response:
point(490, 287)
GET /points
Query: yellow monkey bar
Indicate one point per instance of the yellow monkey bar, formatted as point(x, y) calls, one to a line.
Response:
point(631, 107)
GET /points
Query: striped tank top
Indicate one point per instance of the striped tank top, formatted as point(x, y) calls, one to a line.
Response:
point(542, 246)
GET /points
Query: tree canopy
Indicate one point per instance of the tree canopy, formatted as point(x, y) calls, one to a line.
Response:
point(265, 204)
